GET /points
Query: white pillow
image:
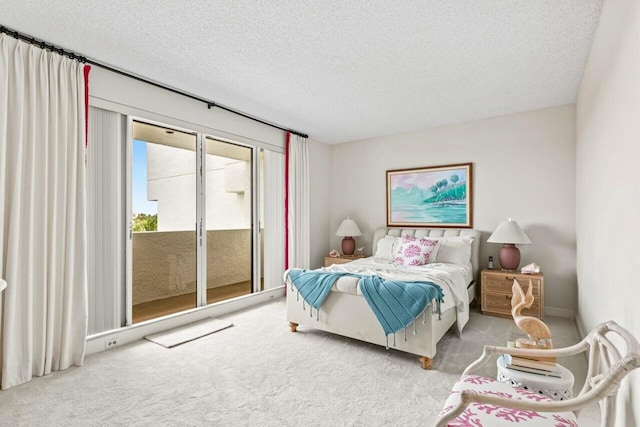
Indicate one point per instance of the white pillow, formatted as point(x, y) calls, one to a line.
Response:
point(440, 239)
point(455, 251)
point(386, 248)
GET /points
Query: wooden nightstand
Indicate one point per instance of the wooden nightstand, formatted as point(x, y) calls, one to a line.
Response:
point(342, 259)
point(496, 292)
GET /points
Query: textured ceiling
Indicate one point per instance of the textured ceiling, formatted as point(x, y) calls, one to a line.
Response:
point(339, 71)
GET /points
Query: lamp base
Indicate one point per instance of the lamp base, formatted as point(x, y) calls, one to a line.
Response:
point(509, 257)
point(348, 245)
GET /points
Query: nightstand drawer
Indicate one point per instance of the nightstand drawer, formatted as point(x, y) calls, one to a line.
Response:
point(340, 260)
point(497, 287)
point(504, 283)
point(502, 303)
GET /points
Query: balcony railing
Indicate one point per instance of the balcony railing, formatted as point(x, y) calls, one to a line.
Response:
point(164, 262)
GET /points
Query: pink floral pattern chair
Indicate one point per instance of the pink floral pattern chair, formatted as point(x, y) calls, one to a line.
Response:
point(477, 401)
point(484, 414)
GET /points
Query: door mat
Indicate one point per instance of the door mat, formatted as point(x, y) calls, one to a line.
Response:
point(186, 333)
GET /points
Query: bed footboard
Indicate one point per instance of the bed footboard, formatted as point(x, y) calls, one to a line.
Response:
point(350, 315)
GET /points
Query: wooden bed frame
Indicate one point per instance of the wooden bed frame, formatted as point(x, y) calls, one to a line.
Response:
point(350, 315)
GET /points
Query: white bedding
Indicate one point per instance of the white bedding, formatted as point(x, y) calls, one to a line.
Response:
point(453, 279)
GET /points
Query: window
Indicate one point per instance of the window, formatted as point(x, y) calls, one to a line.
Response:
point(179, 219)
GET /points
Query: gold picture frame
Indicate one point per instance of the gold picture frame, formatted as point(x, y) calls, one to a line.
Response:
point(433, 196)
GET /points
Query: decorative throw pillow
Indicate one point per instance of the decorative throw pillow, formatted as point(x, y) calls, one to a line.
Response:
point(386, 248)
point(414, 251)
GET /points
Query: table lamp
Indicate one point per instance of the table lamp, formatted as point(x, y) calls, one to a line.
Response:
point(510, 234)
point(348, 228)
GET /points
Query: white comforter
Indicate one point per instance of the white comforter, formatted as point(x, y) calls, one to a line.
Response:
point(450, 277)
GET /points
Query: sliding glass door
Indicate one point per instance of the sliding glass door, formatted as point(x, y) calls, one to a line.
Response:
point(229, 219)
point(196, 220)
point(163, 221)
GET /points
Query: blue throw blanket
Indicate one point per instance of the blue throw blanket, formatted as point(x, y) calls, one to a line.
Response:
point(396, 304)
point(314, 286)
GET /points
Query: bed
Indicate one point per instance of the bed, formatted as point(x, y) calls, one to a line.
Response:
point(346, 312)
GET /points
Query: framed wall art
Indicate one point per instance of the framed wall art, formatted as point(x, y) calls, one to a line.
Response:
point(435, 196)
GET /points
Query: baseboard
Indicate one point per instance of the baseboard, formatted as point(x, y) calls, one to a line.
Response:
point(579, 326)
point(559, 312)
point(581, 334)
point(121, 336)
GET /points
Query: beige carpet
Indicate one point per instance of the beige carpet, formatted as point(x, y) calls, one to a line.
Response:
point(260, 374)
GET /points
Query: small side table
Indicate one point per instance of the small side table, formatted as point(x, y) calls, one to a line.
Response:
point(342, 259)
point(553, 387)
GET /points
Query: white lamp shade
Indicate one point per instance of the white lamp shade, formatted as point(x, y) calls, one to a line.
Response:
point(509, 232)
point(348, 228)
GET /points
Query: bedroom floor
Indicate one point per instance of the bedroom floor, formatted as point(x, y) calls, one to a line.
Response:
point(258, 373)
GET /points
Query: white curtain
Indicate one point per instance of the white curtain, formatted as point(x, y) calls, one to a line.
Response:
point(42, 211)
point(273, 233)
point(299, 240)
point(106, 225)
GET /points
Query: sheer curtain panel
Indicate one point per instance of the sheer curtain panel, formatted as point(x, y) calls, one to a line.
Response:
point(106, 225)
point(298, 202)
point(42, 211)
point(273, 219)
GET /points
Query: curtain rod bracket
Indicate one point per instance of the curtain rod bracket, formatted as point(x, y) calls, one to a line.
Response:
point(211, 105)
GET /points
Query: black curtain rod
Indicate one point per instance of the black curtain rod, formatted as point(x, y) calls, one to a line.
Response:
point(83, 59)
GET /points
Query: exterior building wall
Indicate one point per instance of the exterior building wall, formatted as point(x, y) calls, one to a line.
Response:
point(171, 181)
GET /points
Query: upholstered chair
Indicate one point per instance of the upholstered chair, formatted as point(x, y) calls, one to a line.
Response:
point(481, 401)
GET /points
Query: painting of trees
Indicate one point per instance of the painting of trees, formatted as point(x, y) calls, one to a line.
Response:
point(430, 196)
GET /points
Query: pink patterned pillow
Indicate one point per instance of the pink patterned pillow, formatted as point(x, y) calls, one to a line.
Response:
point(414, 251)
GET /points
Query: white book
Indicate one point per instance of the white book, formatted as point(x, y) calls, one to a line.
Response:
point(535, 371)
point(535, 364)
point(549, 373)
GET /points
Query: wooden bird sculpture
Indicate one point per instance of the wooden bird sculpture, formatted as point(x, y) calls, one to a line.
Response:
point(537, 331)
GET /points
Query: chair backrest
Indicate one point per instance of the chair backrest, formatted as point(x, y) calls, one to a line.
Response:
point(608, 366)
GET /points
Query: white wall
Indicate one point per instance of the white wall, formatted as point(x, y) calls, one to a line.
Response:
point(608, 189)
point(122, 94)
point(523, 167)
point(319, 188)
